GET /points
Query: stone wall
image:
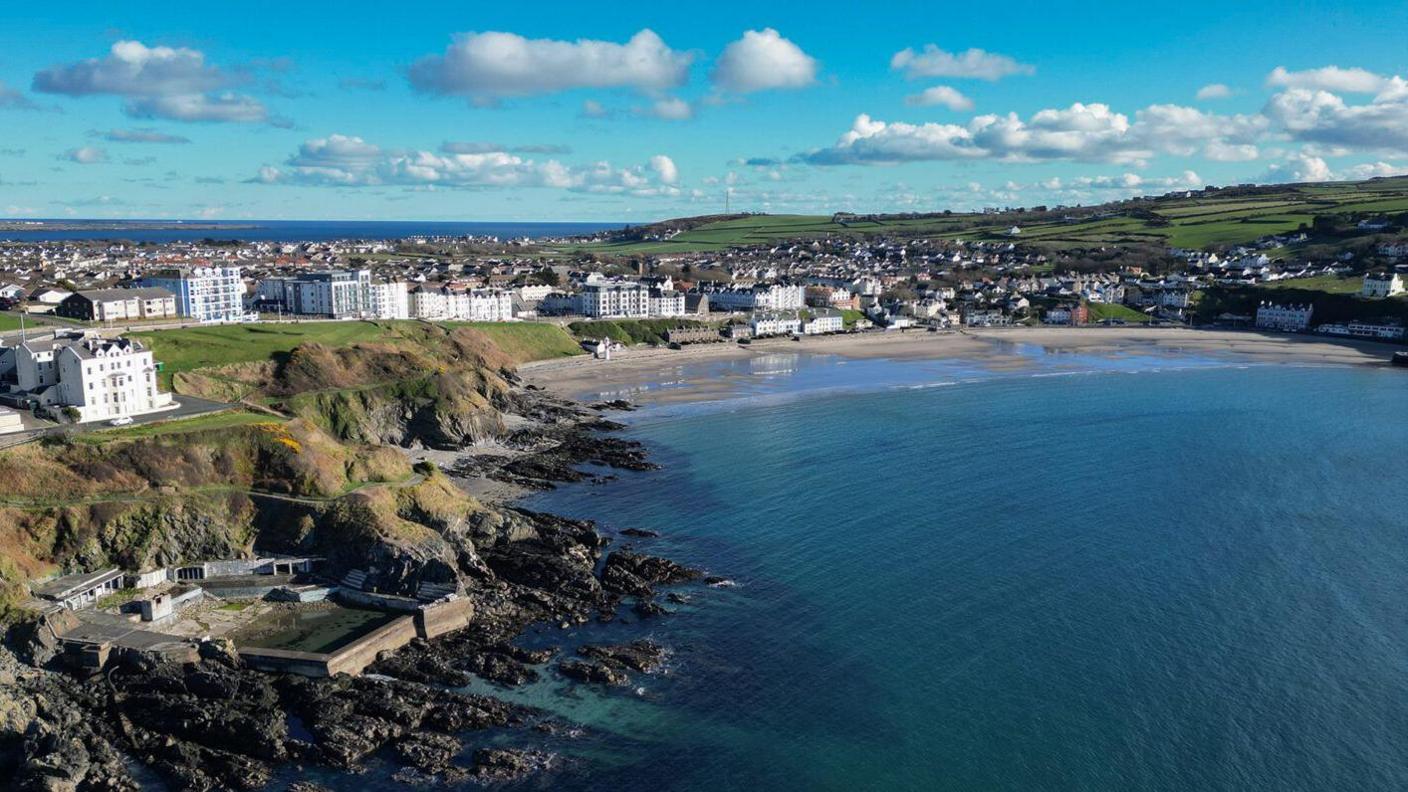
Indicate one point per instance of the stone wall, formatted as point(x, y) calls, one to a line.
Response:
point(443, 617)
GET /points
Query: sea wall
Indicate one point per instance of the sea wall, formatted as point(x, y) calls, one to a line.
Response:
point(443, 617)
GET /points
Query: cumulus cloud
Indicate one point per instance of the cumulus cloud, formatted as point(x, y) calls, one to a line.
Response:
point(762, 60)
point(140, 136)
point(1374, 170)
point(1214, 91)
point(973, 64)
point(940, 95)
point(349, 161)
point(133, 69)
point(160, 82)
point(490, 65)
point(1300, 168)
point(1222, 151)
point(1329, 78)
point(594, 109)
point(85, 155)
point(1082, 132)
point(1318, 116)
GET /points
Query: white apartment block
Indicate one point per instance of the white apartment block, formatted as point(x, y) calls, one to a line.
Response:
point(614, 300)
point(1378, 285)
point(206, 294)
point(388, 300)
point(775, 297)
point(1290, 318)
point(337, 294)
point(473, 305)
point(102, 378)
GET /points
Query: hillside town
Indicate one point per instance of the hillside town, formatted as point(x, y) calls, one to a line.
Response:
point(72, 299)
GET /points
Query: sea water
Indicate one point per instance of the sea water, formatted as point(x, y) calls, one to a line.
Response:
point(1140, 572)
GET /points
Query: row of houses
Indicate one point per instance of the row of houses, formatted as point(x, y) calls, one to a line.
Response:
point(1297, 319)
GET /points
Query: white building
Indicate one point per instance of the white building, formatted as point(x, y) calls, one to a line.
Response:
point(624, 299)
point(206, 294)
point(1378, 285)
point(1290, 318)
point(387, 300)
point(773, 297)
point(666, 302)
point(824, 320)
point(101, 378)
point(771, 323)
point(473, 305)
point(336, 294)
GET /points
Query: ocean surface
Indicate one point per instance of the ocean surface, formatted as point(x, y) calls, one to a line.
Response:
point(304, 230)
point(1072, 573)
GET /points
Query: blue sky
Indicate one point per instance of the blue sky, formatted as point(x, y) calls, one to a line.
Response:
point(625, 111)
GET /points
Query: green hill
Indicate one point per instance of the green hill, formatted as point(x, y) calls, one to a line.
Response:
point(1217, 216)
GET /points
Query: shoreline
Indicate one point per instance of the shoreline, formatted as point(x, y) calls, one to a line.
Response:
point(635, 367)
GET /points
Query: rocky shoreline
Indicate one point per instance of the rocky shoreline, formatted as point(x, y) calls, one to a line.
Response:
point(216, 724)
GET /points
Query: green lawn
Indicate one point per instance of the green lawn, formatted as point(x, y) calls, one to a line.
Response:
point(220, 420)
point(1102, 311)
point(187, 349)
point(1331, 284)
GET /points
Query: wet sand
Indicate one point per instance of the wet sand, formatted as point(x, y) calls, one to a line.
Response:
point(994, 347)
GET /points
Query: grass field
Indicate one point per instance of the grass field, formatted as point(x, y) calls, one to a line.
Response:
point(220, 420)
point(1192, 222)
point(1331, 284)
point(191, 348)
point(1099, 312)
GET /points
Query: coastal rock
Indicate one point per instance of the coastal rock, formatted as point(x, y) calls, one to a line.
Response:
point(613, 404)
point(639, 533)
point(643, 655)
point(600, 673)
point(427, 751)
point(507, 764)
point(635, 573)
point(649, 609)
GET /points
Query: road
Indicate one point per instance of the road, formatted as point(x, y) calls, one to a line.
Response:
point(187, 407)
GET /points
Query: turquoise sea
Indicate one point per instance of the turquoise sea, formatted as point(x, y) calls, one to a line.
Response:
point(1076, 573)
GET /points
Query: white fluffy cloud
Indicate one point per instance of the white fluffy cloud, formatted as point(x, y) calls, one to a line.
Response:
point(160, 82)
point(1328, 78)
point(943, 95)
point(1082, 132)
point(1300, 168)
point(1318, 116)
point(349, 161)
point(763, 60)
point(133, 69)
point(1214, 91)
point(490, 65)
point(973, 63)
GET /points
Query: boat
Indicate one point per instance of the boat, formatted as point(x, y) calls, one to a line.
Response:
point(1400, 359)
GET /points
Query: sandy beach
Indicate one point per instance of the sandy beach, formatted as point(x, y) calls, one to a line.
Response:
point(993, 347)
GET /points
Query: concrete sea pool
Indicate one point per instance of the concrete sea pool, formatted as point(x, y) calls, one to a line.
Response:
point(319, 628)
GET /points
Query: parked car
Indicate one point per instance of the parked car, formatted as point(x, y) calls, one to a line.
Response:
point(122, 421)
